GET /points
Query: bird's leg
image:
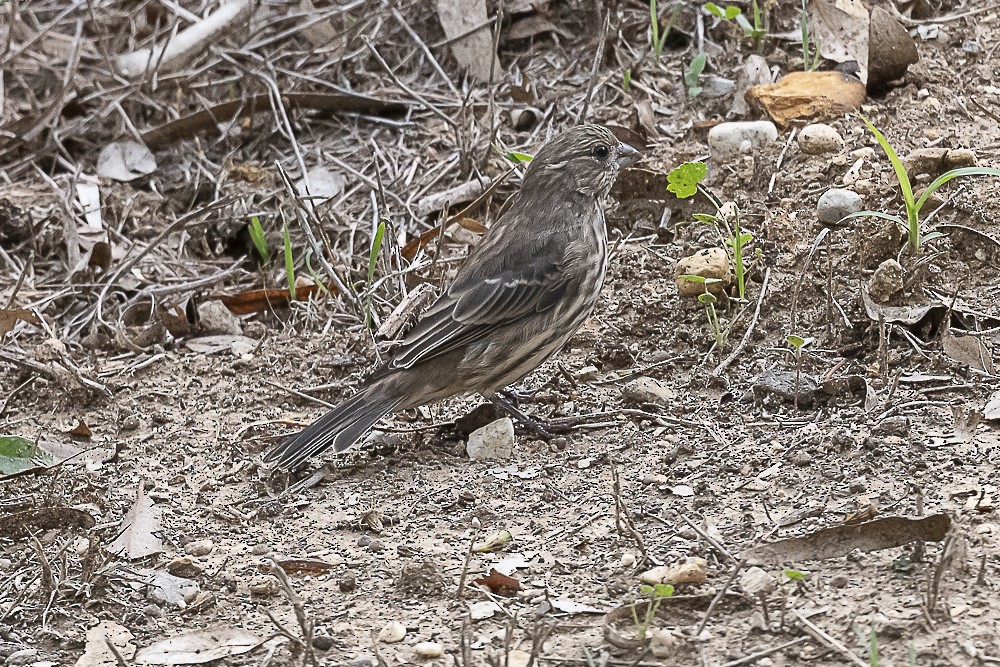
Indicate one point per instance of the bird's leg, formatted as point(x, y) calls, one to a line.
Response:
point(505, 400)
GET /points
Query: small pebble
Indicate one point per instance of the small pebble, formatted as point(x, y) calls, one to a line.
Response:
point(887, 281)
point(587, 374)
point(260, 550)
point(130, 423)
point(348, 583)
point(363, 661)
point(801, 459)
point(323, 642)
point(839, 581)
point(647, 390)
point(836, 204)
point(185, 566)
point(376, 546)
point(864, 153)
point(429, 650)
point(819, 138)
point(393, 632)
point(199, 547)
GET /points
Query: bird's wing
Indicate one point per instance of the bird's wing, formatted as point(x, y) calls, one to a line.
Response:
point(491, 290)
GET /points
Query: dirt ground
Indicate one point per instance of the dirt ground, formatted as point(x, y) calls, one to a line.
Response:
point(888, 422)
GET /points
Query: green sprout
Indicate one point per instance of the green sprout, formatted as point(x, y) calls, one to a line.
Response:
point(709, 300)
point(692, 75)
point(289, 263)
point(798, 343)
point(756, 31)
point(372, 261)
point(912, 223)
point(654, 595)
point(258, 239)
point(807, 62)
point(626, 80)
point(657, 40)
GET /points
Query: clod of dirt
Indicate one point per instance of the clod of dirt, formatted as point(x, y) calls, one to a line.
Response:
point(935, 161)
point(186, 567)
point(215, 318)
point(807, 96)
point(708, 263)
point(422, 579)
point(647, 390)
point(393, 632)
point(728, 141)
point(786, 386)
point(887, 281)
point(836, 204)
point(819, 138)
point(663, 643)
point(879, 239)
point(493, 442)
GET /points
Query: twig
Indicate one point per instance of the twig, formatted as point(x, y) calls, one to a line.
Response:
point(718, 596)
point(409, 91)
point(598, 57)
point(305, 623)
point(753, 323)
point(465, 565)
point(624, 523)
point(754, 657)
point(819, 635)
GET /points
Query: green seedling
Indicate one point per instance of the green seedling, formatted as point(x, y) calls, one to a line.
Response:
point(654, 596)
point(684, 179)
point(289, 263)
point(372, 261)
point(314, 274)
point(709, 300)
point(258, 239)
point(658, 41)
point(626, 80)
point(798, 343)
point(692, 75)
point(808, 62)
point(756, 31)
point(915, 237)
point(873, 648)
point(795, 575)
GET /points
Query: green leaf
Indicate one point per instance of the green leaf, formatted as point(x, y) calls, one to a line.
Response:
point(897, 164)
point(707, 298)
point(694, 279)
point(663, 590)
point(949, 175)
point(742, 22)
point(519, 158)
point(694, 69)
point(795, 575)
point(798, 342)
point(258, 239)
point(683, 179)
point(15, 454)
point(645, 590)
point(707, 218)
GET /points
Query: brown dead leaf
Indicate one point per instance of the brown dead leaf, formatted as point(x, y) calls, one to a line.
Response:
point(466, 25)
point(260, 300)
point(837, 541)
point(812, 96)
point(10, 316)
point(499, 583)
point(840, 27)
point(967, 350)
point(21, 524)
point(81, 430)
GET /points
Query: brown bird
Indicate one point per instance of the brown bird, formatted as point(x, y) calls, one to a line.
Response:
point(524, 290)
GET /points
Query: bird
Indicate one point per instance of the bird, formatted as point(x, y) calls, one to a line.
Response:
point(525, 288)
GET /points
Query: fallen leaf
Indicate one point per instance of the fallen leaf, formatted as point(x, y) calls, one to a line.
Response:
point(81, 430)
point(494, 542)
point(263, 300)
point(838, 541)
point(222, 343)
point(967, 350)
point(98, 653)
point(841, 28)
point(466, 25)
point(991, 411)
point(125, 161)
point(500, 583)
point(137, 537)
point(194, 648)
point(16, 454)
point(10, 316)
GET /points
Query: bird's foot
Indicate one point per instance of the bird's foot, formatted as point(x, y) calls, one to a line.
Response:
point(541, 430)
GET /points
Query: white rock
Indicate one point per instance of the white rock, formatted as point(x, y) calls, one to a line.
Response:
point(627, 560)
point(662, 643)
point(835, 204)
point(727, 141)
point(479, 611)
point(819, 138)
point(215, 318)
point(887, 281)
point(992, 410)
point(493, 442)
point(757, 581)
point(518, 658)
point(587, 374)
point(429, 650)
point(393, 632)
point(199, 547)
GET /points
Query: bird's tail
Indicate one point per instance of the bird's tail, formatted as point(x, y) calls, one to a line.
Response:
point(341, 427)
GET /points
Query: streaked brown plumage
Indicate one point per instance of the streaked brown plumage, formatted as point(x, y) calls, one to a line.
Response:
point(524, 290)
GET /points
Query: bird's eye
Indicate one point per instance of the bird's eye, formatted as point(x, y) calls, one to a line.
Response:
point(601, 152)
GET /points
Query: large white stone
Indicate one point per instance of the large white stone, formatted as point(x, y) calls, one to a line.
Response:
point(493, 442)
point(728, 141)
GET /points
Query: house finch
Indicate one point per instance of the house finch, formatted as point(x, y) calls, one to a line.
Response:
point(524, 290)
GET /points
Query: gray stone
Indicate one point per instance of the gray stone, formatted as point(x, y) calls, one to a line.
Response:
point(167, 590)
point(887, 281)
point(728, 141)
point(836, 204)
point(647, 390)
point(215, 318)
point(493, 442)
point(819, 138)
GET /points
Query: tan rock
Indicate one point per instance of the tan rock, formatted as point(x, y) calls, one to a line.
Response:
point(708, 263)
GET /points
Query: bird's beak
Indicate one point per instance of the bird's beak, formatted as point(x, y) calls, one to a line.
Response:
point(627, 156)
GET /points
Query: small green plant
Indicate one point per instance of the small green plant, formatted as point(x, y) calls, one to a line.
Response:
point(795, 575)
point(692, 75)
point(798, 343)
point(289, 263)
point(873, 648)
point(808, 62)
point(683, 180)
point(709, 300)
point(756, 31)
point(626, 80)
point(258, 239)
point(915, 238)
point(658, 41)
point(372, 261)
point(654, 596)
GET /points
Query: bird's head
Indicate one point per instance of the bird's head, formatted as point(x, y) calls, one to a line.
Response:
point(585, 159)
